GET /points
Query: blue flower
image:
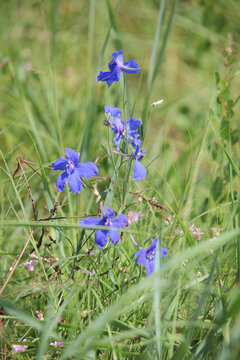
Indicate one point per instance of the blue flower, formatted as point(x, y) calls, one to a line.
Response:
point(73, 171)
point(115, 67)
point(139, 171)
point(107, 220)
point(147, 257)
point(118, 126)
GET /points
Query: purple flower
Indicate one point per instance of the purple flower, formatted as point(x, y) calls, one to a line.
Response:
point(147, 257)
point(18, 348)
point(115, 67)
point(119, 128)
point(73, 171)
point(30, 264)
point(107, 220)
point(139, 171)
point(133, 217)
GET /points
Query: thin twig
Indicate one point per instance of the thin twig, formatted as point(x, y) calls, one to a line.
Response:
point(66, 217)
point(16, 264)
point(29, 190)
point(151, 201)
point(33, 163)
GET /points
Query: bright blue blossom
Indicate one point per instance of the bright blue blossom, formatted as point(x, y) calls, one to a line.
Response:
point(118, 126)
point(146, 257)
point(107, 220)
point(73, 171)
point(139, 171)
point(115, 67)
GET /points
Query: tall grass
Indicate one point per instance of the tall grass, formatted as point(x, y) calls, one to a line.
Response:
point(100, 302)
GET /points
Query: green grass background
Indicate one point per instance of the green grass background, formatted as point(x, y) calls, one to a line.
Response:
point(50, 55)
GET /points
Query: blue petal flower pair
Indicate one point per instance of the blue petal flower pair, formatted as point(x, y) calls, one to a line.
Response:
point(146, 257)
point(116, 66)
point(107, 220)
point(73, 171)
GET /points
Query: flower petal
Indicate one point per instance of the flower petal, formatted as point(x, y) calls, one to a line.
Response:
point(110, 76)
point(91, 221)
point(120, 221)
point(117, 140)
point(130, 66)
point(118, 57)
point(163, 252)
point(153, 245)
point(133, 124)
point(60, 164)
point(61, 181)
point(149, 266)
point(110, 212)
point(87, 169)
point(75, 182)
point(114, 236)
point(101, 238)
point(112, 111)
point(118, 125)
point(140, 257)
point(136, 143)
point(139, 171)
point(72, 155)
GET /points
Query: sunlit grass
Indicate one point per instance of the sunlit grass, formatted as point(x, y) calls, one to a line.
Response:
point(100, 302)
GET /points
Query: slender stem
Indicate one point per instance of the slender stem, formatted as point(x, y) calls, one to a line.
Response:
point(29, 190)
point(135, 242)
point(17, 262)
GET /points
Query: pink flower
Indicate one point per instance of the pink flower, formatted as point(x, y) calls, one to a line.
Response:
point(18, 348)
point(216, 230)
point(57, 343)
point(191, 227)
point(178, 231)
point(39, 315)
point(198, 233)
point(133, 217)
point(228, 50)
point(30, 264)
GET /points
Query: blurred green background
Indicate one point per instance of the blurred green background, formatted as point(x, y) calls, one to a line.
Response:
point(52, 51)
point(54, 47)
point(50, 55)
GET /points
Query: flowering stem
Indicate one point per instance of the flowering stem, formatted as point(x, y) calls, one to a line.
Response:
point(119, 153)
point(135, 242)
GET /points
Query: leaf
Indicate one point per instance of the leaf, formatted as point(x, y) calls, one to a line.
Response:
point(217, 78)
point(21, 315)
point(217, 188)
point(224, 131)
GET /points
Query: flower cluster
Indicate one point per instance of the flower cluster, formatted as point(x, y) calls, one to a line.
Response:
point(19, 348)
point(107, 226)
point(127, 132)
